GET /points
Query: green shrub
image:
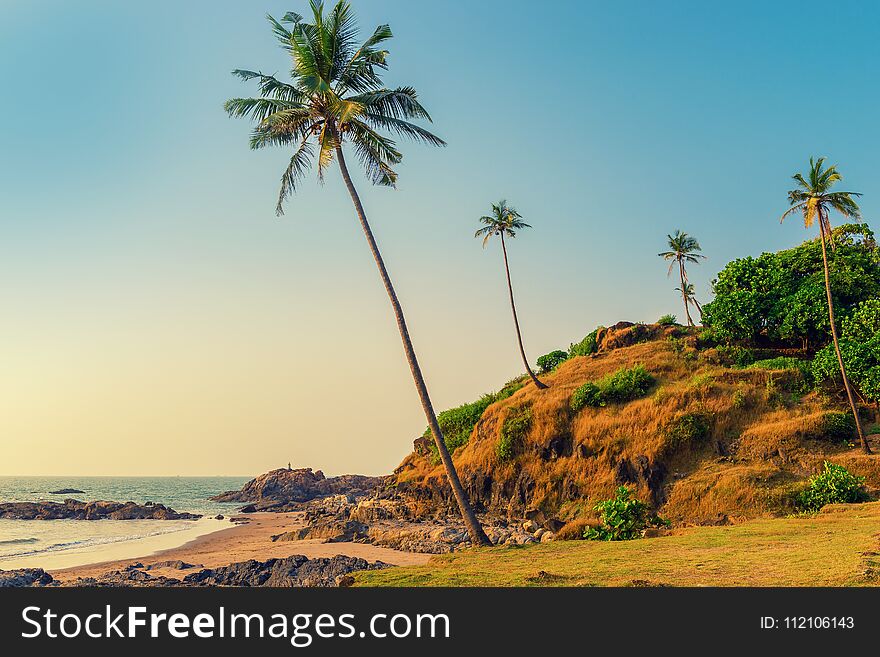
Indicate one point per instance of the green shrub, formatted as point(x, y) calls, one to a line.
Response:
point(668, 320)
point(626, 384)
point(779, 363)
point(622, 518)
point(838, 426)
point(585, 347)
point(623, 385)
point(734, 355)
point(834, 485)
point(549, 362)
point(458, 423)
point(587, 395)
point(513, 432)
point(740, 399)
point(688, 428)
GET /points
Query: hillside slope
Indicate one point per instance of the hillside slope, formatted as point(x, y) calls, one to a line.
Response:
point(707, 444)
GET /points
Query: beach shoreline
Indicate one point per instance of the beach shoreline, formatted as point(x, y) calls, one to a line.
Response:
point(249, 538)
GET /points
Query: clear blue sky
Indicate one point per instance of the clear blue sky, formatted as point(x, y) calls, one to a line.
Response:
point(150, 296)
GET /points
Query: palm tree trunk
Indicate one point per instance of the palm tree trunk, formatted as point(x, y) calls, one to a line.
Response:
point(849, 393)
point(522, 351)
point(475, 530)
point(699, 308)
point(683, 278)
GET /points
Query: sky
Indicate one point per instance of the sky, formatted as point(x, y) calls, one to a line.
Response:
point(158, 319)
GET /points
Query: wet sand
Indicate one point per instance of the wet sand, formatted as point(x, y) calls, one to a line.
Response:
point(242, 542)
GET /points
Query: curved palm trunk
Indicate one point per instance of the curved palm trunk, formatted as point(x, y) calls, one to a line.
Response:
point(849, 393)
point(522, 351)
point(684, 298)
point(475, 530)
point(699, 308)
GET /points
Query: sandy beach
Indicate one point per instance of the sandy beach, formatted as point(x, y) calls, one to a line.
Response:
point(240, 542)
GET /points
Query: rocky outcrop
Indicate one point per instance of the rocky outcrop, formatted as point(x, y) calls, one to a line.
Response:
point(66, 491)
point(76, 510)
point(294, 571)
point(26, 577)
point(271, 490)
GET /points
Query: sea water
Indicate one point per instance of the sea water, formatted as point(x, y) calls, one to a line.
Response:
point(58, 543)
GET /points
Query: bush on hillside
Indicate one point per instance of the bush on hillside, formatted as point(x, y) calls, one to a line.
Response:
point(549, 362)
point(458, 423)
point(687, 428)
point(834, 485)
point(623, 385)
point(668, 320)
point(623, 518)
point(588, 394)
point(585, 347)
point(513, 432)
point(838, 426)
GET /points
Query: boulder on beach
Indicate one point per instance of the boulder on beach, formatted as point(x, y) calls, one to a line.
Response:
point(25, 577)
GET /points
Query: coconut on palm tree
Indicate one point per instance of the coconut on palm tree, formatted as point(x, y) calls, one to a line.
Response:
point(682, 249)
point(814, 199)
point(504, 221)
point(336, 99)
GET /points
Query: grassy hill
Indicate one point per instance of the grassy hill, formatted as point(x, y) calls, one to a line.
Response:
point(704, 441)
point(838, 547)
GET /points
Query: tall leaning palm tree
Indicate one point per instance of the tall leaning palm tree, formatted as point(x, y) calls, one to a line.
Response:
point(504, 221)
point(682, 249)
point(814, 199)
point(336, 98)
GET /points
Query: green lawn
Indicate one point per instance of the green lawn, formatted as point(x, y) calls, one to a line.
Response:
point(839, 547)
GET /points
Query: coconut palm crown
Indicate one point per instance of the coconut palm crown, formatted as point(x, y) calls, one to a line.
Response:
point(814, 199)
point(335, 96)
point(504, 219)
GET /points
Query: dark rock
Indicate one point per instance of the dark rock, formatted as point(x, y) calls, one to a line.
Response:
point(76, 510)
point(26, 577)
point(296, 570)
point(300, 485)
point(175, 564)
point(66, 491)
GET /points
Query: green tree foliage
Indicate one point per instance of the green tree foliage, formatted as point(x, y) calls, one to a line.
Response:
point(623, 518)
point(549, 362)
point(834, 485)
point(586, 346)
point(860, 348)
point(668, 320)
point(780, 297)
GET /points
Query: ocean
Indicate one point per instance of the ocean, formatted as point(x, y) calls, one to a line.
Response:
point(62, 543)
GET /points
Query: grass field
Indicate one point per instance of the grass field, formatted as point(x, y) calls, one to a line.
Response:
point(838, 547)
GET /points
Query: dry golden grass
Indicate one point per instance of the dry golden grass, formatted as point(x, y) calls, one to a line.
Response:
point(763, 440)
point(838, 547)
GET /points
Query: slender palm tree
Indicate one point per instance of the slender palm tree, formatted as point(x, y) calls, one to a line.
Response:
point(682, 249)
point(814, 199)
point(336, 97)
point(691, 297)
point(504, 222)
